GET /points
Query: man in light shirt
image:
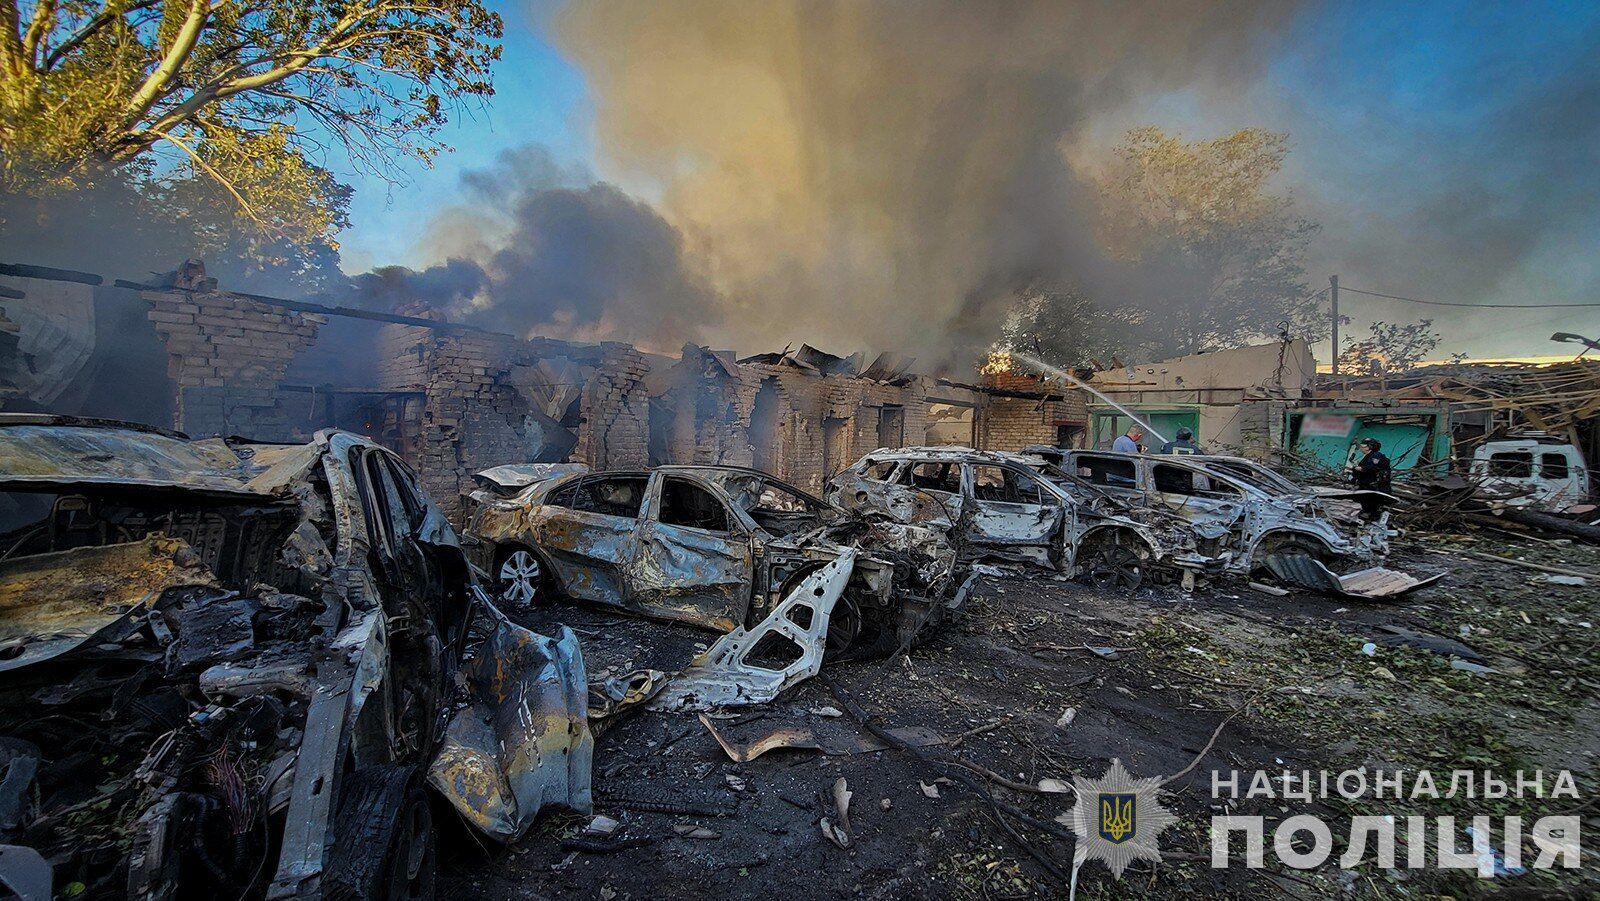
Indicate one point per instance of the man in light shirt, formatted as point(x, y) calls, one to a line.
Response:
point(1128, 443)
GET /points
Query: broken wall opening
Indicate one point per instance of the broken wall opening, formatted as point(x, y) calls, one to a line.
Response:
point(764, 419)
point(891, 426)
point(950, 424)
point(836, 450)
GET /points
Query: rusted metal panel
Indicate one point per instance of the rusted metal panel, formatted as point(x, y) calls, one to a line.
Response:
point(53, 603)
point(522, 743)
point(45, 454)
point(754, 666)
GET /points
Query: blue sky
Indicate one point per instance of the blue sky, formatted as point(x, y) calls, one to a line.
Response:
point(1422, 120)
point(539, 98)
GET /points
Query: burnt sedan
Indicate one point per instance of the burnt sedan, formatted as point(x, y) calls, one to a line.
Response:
point(716, 546)
point(1013, 507)
point(234, 668)
point(1248, 518)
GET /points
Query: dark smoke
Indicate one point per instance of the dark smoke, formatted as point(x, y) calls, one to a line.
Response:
point(568, 259)
point(888, 174)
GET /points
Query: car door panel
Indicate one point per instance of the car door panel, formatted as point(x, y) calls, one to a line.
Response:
point(1009, 508)
point(588, 551)
point(701, 573)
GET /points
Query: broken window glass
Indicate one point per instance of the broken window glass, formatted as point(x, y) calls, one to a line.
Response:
point(996, 483)
point(1108, 471)
point(608, 495)
point(881, 470)
point(683, 503)
point(1511, 465)
point(931, 476)
point(1179, 480)
point(1553, 466)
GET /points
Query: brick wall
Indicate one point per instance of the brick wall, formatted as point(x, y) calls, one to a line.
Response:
point(226, 355)
point(1012, 423)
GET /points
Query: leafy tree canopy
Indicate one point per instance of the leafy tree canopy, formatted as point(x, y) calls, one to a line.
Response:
point(192, 101)
point(1203, 255)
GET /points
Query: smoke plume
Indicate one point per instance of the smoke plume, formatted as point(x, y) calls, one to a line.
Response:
point(885, 174)
point(548, 250)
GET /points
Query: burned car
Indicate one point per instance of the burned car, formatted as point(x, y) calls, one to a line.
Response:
point(719, 547)
point(1244, 517)
point(1003, 506)
point(234, 668)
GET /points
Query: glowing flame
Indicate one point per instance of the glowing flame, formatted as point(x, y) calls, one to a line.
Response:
point(999, 362)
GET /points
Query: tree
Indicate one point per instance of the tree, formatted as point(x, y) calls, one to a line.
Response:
point(1203, 255)
point(1225, 253)
point(1390, 349)
point(240, 96)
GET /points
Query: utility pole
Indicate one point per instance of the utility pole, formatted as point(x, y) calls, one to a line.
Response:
point(1333, 294)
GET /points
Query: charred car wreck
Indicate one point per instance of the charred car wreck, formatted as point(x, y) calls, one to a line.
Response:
point(234, 668)
point(790, 577)
point(1118, 518)
point(1243, 518)
point(1001, 506)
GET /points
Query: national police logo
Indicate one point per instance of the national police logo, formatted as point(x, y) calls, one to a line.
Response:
point(1117, 818)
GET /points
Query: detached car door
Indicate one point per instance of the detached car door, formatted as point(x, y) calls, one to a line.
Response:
point(695, 560)
point(588, 529)
point(1009, 509)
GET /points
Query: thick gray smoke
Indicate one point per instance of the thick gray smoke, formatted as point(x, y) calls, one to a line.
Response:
point(886, 174)
point(554, 253)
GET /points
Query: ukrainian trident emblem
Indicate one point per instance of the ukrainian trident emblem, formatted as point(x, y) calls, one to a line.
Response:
point(1117, 818)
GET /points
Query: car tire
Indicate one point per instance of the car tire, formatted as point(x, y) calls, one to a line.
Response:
point(384, 841)
point(520, 579)
point(1115, 566)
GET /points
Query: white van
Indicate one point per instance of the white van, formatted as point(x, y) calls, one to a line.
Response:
point(1535, 471)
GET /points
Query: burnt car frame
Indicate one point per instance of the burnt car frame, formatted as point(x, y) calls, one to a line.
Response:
point(1244, 518)
point(715, 546)
point(1003, 505)
point(271, 638)
point(1241, 512)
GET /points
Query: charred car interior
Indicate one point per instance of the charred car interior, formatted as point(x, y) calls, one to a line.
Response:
point(229, 666)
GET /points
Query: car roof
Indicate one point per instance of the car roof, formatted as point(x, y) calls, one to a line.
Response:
point(950, 453)
point(58, 452)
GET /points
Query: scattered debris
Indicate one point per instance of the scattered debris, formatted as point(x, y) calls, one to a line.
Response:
point(1371, 584)
point(837, 828)
point(747, 741)
point(690, 830)
point(754, 666)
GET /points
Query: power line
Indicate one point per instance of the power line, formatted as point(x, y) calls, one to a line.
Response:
point(1478, 306)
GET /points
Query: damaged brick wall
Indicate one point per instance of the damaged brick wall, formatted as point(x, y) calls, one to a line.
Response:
point(471, 419)
point(1013, 423)
point(226, 356)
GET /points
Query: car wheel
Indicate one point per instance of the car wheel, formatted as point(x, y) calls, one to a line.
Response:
point(844, 627)
point(384, 838)
point(519, 579)
point(1115, 566)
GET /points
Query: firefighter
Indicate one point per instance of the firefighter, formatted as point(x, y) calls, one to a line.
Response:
point(1183, 444)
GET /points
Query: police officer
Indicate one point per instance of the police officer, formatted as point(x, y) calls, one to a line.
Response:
point(1183, 444)
point(1371, 473)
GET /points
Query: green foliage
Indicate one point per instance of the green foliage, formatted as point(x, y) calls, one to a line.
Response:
point(1204, 256)
point(1390, 348)
point(167, 95)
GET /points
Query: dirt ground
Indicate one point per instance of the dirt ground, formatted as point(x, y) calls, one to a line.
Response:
point(994, 686)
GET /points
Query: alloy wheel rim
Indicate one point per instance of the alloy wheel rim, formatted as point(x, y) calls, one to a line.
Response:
point(519, 578)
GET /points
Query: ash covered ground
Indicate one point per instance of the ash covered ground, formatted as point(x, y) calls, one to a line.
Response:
point(1291, 670)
